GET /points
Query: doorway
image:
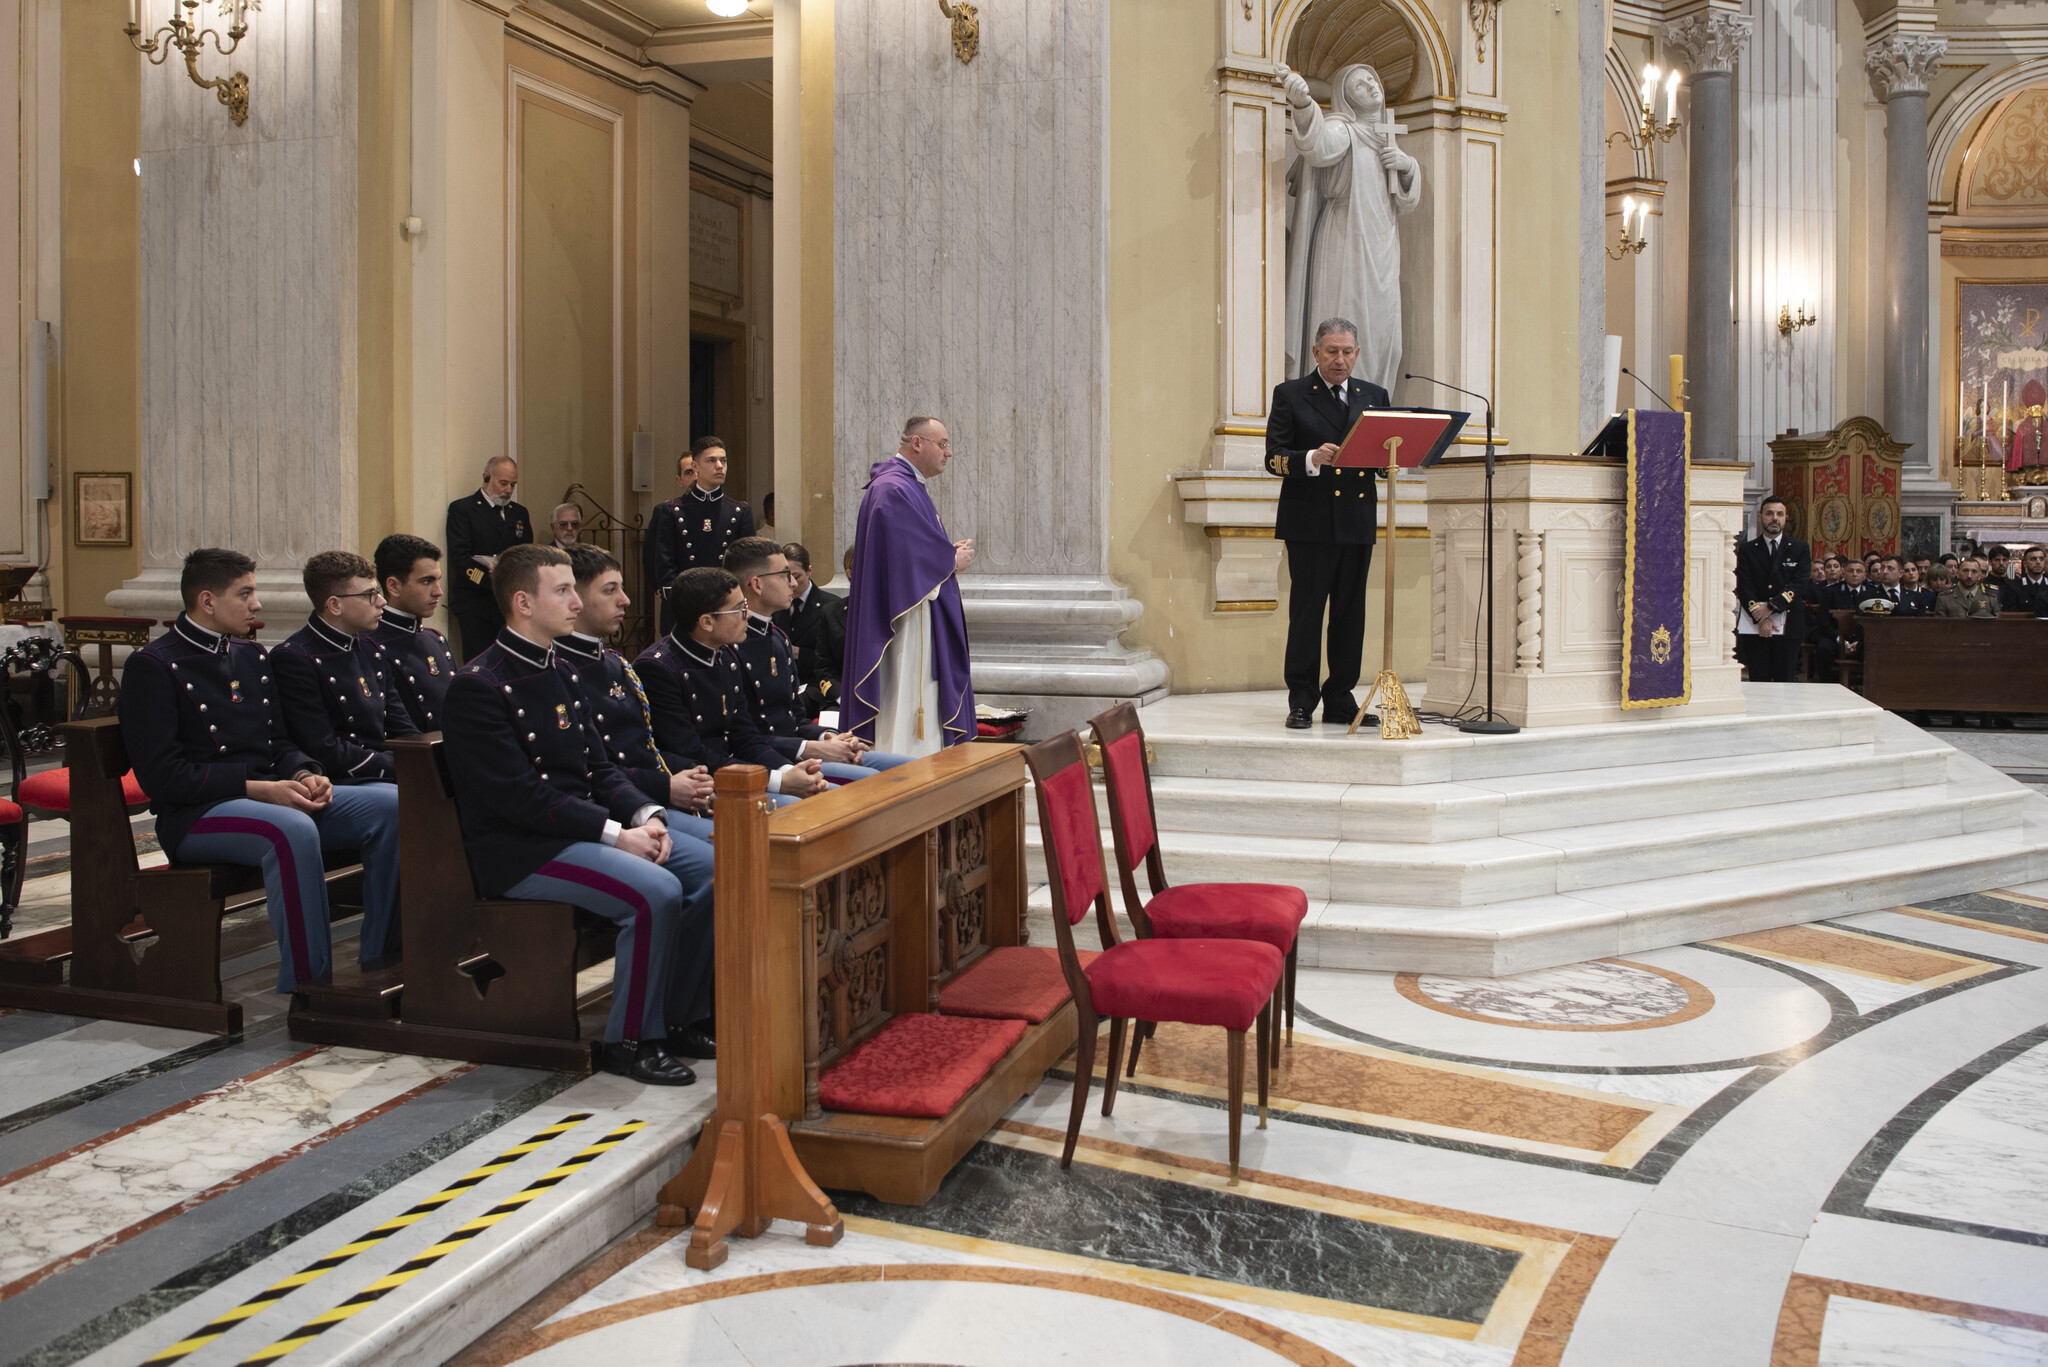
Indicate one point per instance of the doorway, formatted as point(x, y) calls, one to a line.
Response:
point(718, 389)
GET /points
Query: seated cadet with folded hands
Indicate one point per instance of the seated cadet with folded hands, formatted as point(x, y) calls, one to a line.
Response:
point(204, 724)
point(338, 702)
point(615, 700)
point(547, 816)
point(409, 573)
point(694, 683)
point(768, 670)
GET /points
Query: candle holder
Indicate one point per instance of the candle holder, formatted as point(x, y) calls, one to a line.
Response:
point(182, 32)
point(1632, 244)
point(1644, 137)
point(1789, 322)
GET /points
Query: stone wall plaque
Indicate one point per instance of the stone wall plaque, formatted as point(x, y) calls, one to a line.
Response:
point(717, 241)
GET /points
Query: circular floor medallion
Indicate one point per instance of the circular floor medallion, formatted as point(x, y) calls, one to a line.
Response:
point(1606, 994)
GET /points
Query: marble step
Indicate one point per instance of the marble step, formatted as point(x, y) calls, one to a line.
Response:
point(1430, 812)
point(1522, 934)
point(1239, 736)
point(1563, 859)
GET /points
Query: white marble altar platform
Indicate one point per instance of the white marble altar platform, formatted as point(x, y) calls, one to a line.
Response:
point(1451, 853)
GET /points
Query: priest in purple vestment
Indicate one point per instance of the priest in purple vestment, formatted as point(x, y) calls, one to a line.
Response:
point(906, 683)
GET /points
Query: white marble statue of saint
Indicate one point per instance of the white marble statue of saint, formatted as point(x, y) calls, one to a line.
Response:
point(1349, 182)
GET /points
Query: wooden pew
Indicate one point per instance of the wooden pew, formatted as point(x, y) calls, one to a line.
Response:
point(143, 945)
point(1956, 664)
point(834, 916)
point(486, 980)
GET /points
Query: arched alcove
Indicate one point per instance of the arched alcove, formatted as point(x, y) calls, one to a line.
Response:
point(1333, 34)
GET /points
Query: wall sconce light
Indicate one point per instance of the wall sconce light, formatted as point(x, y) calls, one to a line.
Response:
point(1644, 137)
point(966, 28)
point(1632, 244)
point(1789, 322)
point(182, 31)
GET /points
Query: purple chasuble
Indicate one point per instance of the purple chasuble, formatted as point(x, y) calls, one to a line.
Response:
point(900, 553)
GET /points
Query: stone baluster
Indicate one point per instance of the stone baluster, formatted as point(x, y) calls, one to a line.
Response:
point(1528, 602)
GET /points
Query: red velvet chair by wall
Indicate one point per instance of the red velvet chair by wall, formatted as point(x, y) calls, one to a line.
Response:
point(1268, 912)
point(1228, 983)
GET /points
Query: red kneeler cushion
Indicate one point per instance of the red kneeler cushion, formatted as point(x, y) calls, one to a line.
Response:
point(1195, 982)
point(10, 815)
point(51, 790)
point(1012, 983)
point(1268, 912)
point(918, 1065)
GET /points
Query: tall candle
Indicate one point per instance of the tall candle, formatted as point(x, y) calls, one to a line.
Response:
point(1649, 85)
point(2005, 410)
point(1962, 408)
point(1671, 98)
point(1678, 382)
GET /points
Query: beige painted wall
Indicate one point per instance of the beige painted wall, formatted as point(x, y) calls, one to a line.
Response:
point(97, 378)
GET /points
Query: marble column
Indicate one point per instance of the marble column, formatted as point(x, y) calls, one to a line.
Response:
point(1900, 66)
point(971, 282)
point(249, 311)
point(1709, 42)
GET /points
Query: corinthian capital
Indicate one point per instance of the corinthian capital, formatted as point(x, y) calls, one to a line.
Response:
point(1903, 63)
point(1710, 39)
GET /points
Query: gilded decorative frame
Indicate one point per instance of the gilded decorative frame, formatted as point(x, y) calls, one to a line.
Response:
point(115, 488)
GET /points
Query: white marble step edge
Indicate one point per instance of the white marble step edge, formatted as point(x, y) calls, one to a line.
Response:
point(1431, 812)
point(1544, 932)
point(1483, 870)
point(1443, 756)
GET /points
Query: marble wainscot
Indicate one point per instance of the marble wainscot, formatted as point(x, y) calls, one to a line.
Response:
point(1235, 506)
point(1454, 853)
point(1557, 587)
point(1053, 644)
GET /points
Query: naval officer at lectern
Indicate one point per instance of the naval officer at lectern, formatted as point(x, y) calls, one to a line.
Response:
point(1327, 519)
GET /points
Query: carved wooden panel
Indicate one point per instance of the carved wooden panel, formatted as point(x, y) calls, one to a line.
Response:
point(850, 935)
point(963, 893)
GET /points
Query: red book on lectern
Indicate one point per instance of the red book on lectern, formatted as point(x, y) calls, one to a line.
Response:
point(1404, 437)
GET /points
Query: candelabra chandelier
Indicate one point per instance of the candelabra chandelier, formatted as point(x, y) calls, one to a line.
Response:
point(1632, 243)
point(1644, 137)
point(1790, 322)
point(181, 30)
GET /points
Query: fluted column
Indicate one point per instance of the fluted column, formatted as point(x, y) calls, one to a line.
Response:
point(1900, 66)
point(1709, 42)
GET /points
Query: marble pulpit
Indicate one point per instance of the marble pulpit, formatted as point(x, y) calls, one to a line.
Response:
point(1557, 576)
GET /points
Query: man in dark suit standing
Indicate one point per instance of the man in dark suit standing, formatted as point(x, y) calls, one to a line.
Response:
point(1327, 520)
point(816, 624)
point(480, 528)
point(1771, 570)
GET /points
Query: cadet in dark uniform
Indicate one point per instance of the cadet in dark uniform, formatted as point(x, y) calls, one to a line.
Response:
point(480, 528)
point(768, 668)
point(698, 694)
point(339, 705)
point(2029, 591)
point(695, 527)
point(547, 816)
point(816, 624)
point(1770, 572)
point(409, 572)
point(204, 723)
point(1327, 519)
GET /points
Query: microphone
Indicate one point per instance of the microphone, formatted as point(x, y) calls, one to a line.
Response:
point(1410, 375)
point(1653, 393)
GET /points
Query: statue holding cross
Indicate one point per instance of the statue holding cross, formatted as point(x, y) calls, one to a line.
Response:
point(1348, 182)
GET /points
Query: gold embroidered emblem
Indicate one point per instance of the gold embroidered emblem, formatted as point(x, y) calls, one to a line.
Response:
point(561, 716)
point(433, 665)
point(707, 524)
point(476, 576)
point(1660, 645)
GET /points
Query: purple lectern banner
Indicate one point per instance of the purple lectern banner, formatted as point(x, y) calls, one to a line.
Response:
point(1655, 670)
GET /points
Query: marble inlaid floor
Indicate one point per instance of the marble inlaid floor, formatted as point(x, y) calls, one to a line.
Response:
point(1822, 1145)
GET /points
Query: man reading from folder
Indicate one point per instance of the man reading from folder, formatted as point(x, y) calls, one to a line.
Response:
point(1327, 519)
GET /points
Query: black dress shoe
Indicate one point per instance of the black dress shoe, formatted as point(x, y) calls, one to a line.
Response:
point(1298, 719)
point(694, 1042)
point(648, 1061)
point(1367, 720)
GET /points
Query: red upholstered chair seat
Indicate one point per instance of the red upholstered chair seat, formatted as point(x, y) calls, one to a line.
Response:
point(50, 791)
point(1012, 983)
point(10, 814)
point(919, 1065)
point(1197, 982)
point(1270, 913)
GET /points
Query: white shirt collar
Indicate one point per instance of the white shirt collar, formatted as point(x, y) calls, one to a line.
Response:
point(919, 474)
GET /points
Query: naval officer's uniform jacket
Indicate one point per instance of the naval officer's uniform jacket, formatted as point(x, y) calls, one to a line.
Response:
point(202, 718)
point(613, 698)
point(419, 666)
point(339, 704)
point(530, 770)
point(697, 691)
point(689, 531)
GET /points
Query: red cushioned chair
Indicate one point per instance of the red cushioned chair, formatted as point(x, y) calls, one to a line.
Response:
point(1268, 912)
point(1197, 982)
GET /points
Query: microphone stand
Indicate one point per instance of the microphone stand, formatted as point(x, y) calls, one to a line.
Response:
point(1491, 723)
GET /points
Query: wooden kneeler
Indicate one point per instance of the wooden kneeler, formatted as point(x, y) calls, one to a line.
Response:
point(744, 1171)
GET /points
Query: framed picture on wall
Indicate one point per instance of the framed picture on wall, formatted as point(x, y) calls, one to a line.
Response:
point(102, 508)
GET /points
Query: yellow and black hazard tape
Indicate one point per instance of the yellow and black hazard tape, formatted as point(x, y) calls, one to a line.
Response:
point(313, 1271)
point(385, 1285)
